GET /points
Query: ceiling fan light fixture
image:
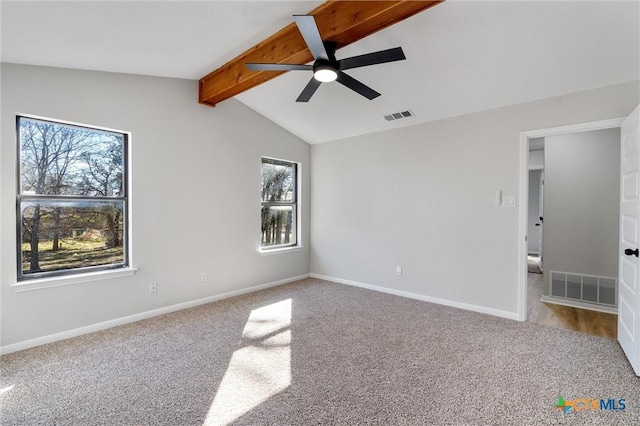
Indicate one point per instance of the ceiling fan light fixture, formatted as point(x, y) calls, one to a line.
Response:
point(325, 71)
point(325, 75)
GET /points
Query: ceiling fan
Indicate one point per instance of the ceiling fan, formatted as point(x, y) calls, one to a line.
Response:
point(326, 67)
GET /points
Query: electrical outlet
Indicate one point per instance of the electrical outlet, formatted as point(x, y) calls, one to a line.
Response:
point(203, 276)
point(398, 270)
point(153, 288)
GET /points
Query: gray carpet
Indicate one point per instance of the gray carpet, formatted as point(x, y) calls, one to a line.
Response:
point(315, 352)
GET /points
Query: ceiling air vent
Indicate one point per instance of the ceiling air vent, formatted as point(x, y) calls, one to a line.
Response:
point(399, 115)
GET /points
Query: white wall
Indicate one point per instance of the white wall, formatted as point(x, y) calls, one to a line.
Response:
point(423, 197)
point(196, 195)
point(582, 203)
point(536, 159)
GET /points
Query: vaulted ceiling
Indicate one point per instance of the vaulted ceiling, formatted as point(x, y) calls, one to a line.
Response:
point(462, 56)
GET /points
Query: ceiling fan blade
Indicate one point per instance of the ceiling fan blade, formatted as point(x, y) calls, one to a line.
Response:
point(357, 86)
point(309, 90)
point(309, 30)
point(380, 57)
point(278, 67)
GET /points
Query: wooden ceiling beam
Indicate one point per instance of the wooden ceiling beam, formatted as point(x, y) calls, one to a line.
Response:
point(341, 21)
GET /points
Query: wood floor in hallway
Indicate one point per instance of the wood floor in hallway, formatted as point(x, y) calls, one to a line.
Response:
point(576, 319)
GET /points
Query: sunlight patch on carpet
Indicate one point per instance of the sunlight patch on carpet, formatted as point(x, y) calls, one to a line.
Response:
point(260, 369)
point(5, 390)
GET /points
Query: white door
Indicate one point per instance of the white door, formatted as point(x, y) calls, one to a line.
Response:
point(629, 271)
point(541, 218)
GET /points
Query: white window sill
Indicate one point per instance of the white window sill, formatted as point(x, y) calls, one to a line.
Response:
point(283, 250)
point(38, 284)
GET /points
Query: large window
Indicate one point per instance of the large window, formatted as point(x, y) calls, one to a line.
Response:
point(72, 199)
point(279, 203)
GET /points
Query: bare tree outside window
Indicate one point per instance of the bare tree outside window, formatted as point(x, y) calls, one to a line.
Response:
point(279, 203)
point(72, 199)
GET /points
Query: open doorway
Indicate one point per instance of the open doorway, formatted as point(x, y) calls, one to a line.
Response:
point(542, 299)
point(535, 250)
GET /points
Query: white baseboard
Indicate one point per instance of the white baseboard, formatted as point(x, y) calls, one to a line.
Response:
point(438, 301)
point(137, 317)
point(581, 305)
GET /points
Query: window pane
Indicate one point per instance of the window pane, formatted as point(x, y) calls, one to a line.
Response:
point(278, 226)
point(58, 159)
point(278, 181)
point(62, 235)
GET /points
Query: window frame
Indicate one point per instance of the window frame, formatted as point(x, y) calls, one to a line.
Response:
point(294, 203)
point(89, 273)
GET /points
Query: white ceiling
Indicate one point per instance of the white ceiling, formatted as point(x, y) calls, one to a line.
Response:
point(182, 39)
point(462, 56)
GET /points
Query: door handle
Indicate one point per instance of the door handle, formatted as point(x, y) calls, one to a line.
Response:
point(537, 224)
point(630, 252)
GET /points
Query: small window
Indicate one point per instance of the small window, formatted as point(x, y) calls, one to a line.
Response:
point(72, 204)
point(279, 203)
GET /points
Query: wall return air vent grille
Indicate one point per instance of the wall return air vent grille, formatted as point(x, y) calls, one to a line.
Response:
point(398, 115)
